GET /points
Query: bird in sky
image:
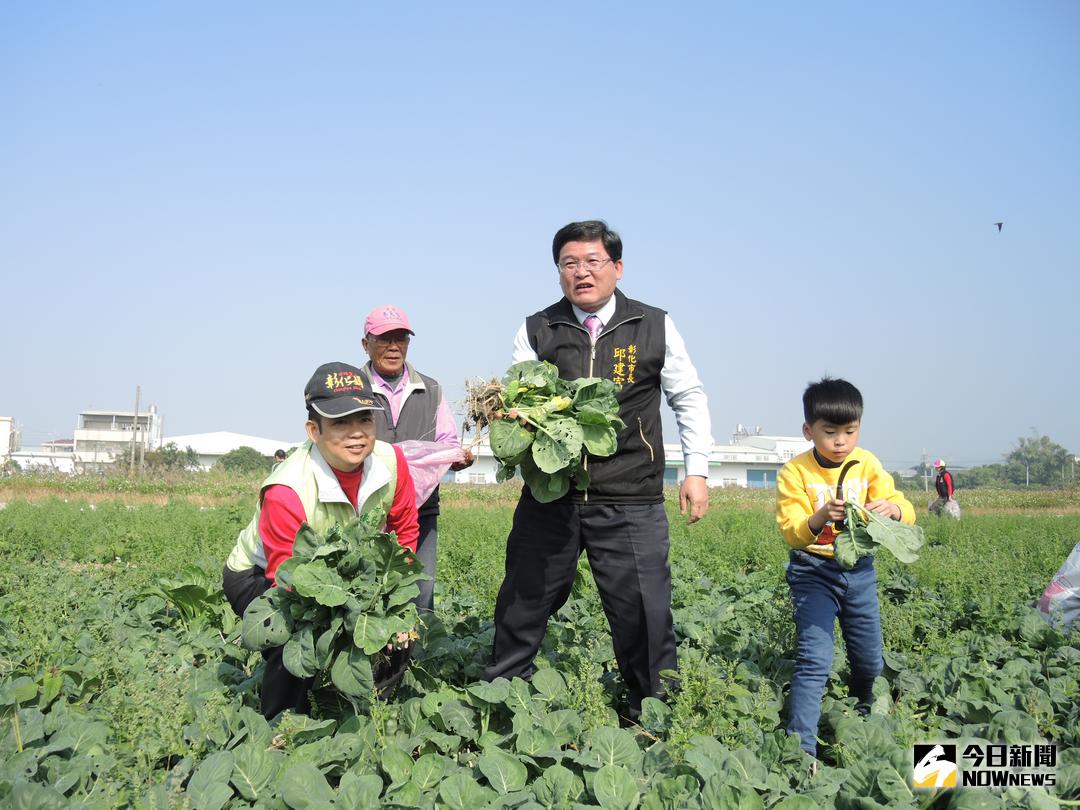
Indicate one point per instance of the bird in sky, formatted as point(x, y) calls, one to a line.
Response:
point(999, 224)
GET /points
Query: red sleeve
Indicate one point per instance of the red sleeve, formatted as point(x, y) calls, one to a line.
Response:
point(402, 518)
point(280, 519)
point(948, 482)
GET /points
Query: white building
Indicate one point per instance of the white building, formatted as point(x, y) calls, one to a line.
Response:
point(55, 456)
point(749, 461)
point(9, 437)
point(102, 436)
point(212, 446)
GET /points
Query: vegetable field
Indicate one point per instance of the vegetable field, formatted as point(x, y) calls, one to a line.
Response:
point(123, 681)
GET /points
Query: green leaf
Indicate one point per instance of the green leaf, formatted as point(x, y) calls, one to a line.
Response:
point(894, 787)
point(509, 439)
point(397, 764)
point(796, 803)
point(306, 543)
point(299, 653)
point(325, 645)
point(316, 581)
point(495, 691)
point(505, 773)
point(264, 623)
point(372, 633)
point(615, 788)
point(557, 787)
point(1014, 727)
point(854, 542)
point(564, 724)
point(544, 488)
point(535, 742)
point(303, 787)
point(655, 715)
point(358, 790)
point(901, 539)
point(532, 375)
point(458, 718)
point(78, 737)
point(600, 440)
point(867, 531)
point(31, 796)
point(462, 792)
point(208, 787)
point(254, 769)
point(351, 673)
point(428, 771)
point(718, 793)
point(403, 595)
point(673, 793)
point(558, 445)
point(549, 683)
point(406, 795)
point(614, 746)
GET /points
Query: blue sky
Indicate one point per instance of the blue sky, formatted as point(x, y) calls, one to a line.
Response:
point(205, 200)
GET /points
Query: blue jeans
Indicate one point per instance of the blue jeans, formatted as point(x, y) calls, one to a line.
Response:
point(822, 592)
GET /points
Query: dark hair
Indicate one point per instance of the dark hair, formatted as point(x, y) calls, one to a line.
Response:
point(591, 230)
point(279, 454)
point(837, 402)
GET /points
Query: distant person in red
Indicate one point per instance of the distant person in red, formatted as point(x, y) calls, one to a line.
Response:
point(340, 472)
point(945, 504)
point(943, 483)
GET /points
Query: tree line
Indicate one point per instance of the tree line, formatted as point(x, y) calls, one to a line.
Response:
point(1035, 460)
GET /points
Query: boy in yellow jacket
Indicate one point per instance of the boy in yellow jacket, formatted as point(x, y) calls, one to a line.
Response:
point(810, 494)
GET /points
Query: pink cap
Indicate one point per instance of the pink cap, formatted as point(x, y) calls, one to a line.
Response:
point(939, 463)
point(386, 319)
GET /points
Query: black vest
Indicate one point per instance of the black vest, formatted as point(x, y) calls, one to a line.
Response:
point(416, 420)
point(630, 351)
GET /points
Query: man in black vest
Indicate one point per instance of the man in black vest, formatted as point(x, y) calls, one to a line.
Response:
point(596, 331)
point(413, 407)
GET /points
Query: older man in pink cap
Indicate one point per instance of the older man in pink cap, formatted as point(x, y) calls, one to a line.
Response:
point(413, 408)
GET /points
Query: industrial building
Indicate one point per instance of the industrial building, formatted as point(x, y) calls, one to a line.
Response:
point(750, 460)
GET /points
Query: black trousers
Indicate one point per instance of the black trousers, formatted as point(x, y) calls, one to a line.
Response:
point(281, 689)
point(627, 546)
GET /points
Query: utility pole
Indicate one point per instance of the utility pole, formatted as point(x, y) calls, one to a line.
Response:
point(925, 472)
point(134, 431)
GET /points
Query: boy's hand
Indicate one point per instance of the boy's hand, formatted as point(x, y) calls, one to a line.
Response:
point(832, 510)
point(402, 641)
point(884, 508)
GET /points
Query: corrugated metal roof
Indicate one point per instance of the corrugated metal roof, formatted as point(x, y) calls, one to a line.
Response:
point(221, 442)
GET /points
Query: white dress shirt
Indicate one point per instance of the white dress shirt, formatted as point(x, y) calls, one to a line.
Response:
point(678, 380)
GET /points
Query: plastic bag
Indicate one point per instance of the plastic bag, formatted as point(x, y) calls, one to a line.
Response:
point(945, 507)
point(1060, 603)
point(428, 463)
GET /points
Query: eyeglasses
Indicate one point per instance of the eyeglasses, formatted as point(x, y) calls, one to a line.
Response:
point(386, 340)
point(592, 265)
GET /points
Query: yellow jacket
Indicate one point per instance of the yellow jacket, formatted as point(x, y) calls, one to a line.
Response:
point(803, 486)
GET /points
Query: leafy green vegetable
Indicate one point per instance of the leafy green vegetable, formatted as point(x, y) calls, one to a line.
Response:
point(867, 531)
point(341, 598)
point(546, 425)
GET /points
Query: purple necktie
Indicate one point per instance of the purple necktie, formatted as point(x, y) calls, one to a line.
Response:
point(592, 323)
